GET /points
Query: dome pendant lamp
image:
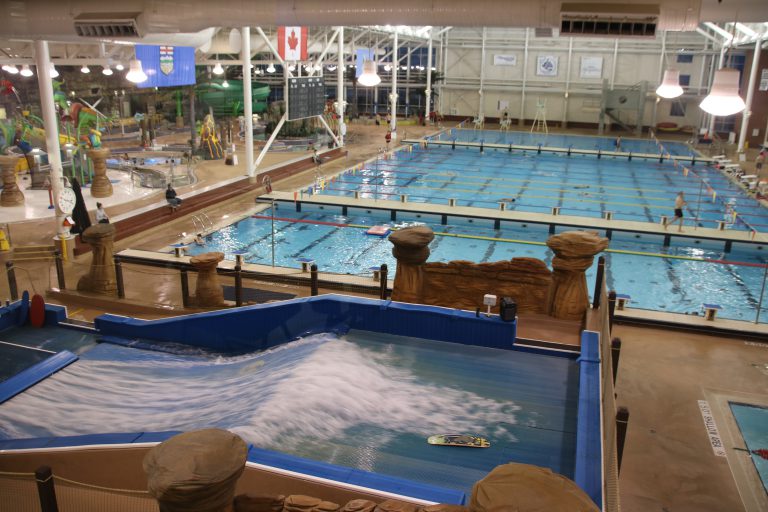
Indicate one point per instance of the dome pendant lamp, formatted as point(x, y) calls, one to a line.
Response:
point(670, 85)
point(723, 98)
point(369, 77)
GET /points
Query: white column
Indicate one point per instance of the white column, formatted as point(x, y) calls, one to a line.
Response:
point(43, 63)
point(428, 90)
point(481, 103)
point(340, 88)
point(711, 132)
point(567, 83)
point(662, 59)
point(521, 121)
point(245, 57)
point(393, 94)
point(750, 95)
point(407, 83)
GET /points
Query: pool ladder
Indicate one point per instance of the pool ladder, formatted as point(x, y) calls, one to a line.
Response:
point(202, 223)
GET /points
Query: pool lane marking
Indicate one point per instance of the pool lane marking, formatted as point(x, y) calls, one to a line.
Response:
point(523, 242)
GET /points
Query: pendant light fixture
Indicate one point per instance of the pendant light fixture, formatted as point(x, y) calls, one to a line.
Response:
point(107, 71)
point(25, 71)
point(85, 69)
point(54, 72)
point(119, 66)
point(11, 68)
point(369, 77)
point(670, 85)
point(136, 73)
point(225, 84)
point(217, 69)
point(723, 99)
point(271, 68)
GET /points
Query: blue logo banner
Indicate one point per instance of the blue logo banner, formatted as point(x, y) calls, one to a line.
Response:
point(166, 66)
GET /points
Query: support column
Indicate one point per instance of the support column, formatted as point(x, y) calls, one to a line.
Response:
point(340, 88)
point(428, 90)
point(43, 64)
point(192, 126)
point(245, 57)
point(521, 121)
point(407, 84)
point(393, 94)
point(564, 122)
point(750, 95)
point(481, 103)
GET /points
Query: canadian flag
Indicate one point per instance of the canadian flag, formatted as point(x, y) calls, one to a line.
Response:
point(292, 43)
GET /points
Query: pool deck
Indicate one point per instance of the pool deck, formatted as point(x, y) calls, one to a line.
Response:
point(569, 221)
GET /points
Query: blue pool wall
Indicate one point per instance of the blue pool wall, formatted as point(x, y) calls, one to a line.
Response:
point(256, 455)
point(16, 314)
point(264, 326)
point(588, 473)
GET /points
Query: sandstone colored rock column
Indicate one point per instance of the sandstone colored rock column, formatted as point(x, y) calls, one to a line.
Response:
point(11, 194)
point(411, 248)
point(100, 186)
point(196, 471)
point(209, 292)
point(101, 277)
point(574, 253)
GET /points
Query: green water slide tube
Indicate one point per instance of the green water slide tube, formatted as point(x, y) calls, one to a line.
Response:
point(228, 101)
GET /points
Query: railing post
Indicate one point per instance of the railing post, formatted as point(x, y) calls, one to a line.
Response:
point(622, 421)
point(119, 277)
point(45, 489)
point(12, 280)
point(611, 307)
point(184, 288)
point(615, 353)
point(238, 285)
point(383, 282)
point(598, 282)
point(60, 270)
point(313, 280)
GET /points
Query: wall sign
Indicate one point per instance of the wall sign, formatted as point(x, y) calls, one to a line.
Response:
point(591, 67)
point(546, 65)
point(764, 80)
point(505, 60)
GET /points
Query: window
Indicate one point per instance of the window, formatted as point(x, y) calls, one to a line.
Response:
point(684, 58)
point(677, 109)
point(685, 80)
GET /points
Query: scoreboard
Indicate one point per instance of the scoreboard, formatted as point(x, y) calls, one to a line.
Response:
point(306, 97)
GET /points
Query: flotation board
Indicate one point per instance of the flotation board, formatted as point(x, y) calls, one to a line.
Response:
point(378, 231)
point(37, 311)
point(459, 440)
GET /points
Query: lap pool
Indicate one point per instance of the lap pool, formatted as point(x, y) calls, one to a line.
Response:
point(678, 278)
point(638, 189)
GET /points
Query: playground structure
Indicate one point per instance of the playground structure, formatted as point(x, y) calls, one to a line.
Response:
point(227, 100)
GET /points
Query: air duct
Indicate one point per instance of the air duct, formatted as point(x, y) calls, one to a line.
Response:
point(609, 20)
point(109, 25)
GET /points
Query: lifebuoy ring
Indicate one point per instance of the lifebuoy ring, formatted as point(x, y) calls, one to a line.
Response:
point(267, 182)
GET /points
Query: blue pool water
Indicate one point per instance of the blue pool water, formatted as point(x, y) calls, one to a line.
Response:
point(366, 400)
point(753, 424)
point(663, 280)
point(582, 185)
point(553, 140)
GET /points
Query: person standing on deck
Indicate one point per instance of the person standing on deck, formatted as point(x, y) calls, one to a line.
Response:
point(679, 203)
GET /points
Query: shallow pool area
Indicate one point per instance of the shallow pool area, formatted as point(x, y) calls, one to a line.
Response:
point(753, 425)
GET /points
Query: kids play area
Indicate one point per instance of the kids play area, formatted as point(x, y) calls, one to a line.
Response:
point(422, 257)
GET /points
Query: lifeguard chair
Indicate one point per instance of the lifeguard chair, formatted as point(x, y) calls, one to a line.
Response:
point(540, 120)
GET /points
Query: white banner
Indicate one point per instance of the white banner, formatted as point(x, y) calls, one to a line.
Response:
point(591, 67)
point(505, 60)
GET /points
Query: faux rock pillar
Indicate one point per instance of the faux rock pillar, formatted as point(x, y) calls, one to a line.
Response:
point(100, 186)
point(196, 471)
point(101, 276)
point(209, 292)
point(11, 194)
point(411, 248)
point(574, 253)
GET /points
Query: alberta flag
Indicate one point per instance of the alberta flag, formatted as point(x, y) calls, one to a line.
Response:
point(166, 66)
point(292, 43)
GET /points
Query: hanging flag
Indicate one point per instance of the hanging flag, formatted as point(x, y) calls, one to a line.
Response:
point(292, 43)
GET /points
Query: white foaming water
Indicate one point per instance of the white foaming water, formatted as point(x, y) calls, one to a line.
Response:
point(315, 388)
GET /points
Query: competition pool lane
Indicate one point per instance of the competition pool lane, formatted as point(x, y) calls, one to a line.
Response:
point(675, 279)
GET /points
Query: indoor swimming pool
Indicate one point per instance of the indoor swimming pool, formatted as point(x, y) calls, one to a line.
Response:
point(639, 190)
point(556, 140)
point(753, 425)
point(365, 400)
point(678, 278)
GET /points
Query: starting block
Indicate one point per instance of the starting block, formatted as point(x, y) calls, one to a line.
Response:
point(306, 264)
point(376, 273)
point(621, 301)
point(710, 311)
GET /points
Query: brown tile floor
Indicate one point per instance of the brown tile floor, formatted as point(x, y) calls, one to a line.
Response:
point(668, 463)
